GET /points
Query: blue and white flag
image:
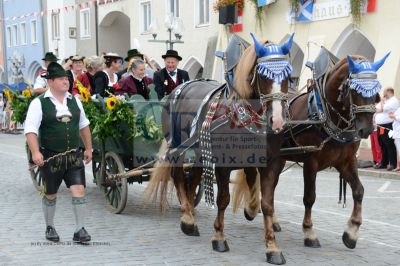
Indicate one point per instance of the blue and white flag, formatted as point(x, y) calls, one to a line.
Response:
point(305, 13)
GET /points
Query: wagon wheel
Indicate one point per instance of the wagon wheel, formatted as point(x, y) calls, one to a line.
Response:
point(96, 168)
point(35, 173)
point(116, 192)
point(199, 193)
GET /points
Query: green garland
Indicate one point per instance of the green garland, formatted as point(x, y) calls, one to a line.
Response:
point(19, 105)
point(259, 13)
point(355, 10)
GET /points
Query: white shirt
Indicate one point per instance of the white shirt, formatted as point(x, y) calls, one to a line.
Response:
point(382, 116)
point(396, 125)
point(110, 84)
point(175, 76)
point(40, 83)
point(34, 115)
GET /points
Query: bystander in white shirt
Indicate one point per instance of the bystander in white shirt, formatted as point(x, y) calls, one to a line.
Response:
point(34, 116)
point(382, 115)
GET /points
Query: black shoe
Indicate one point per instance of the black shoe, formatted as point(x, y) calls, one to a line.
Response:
point(380, 166)
point(51, 234)
point(81, 236)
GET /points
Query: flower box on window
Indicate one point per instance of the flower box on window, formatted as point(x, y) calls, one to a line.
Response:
point(228, 14)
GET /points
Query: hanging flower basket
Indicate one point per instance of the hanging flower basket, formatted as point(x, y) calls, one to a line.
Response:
point(228, 14)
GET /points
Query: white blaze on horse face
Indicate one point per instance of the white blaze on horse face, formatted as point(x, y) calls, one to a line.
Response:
point(277, 118)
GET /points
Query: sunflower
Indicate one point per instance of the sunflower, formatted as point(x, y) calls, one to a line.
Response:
point(111, 103)
point(27, 93)
point(8, 94)
point(85, 95)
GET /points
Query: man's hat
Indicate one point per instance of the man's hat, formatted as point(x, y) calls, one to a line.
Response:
point(54, 70)
point(172, 53)
point(49, 56)
point(77, 58)
point(133, 53)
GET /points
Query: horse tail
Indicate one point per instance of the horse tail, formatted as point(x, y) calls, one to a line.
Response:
point(242, 196)
point(158, 186)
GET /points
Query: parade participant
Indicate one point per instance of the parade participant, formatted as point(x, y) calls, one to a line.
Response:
point(53, 124)
point(134, 54)
point(93, 65)
point(106, 81)
point(136, 82)
point(388, 104)
point(170, 76)
point(75, 71)
point(40, 85)
point(396, 135)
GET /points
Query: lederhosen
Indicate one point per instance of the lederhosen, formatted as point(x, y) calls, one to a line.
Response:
point(56, 137)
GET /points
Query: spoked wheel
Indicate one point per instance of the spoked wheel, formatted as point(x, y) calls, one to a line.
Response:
point(96, 169)
point(35, 173)
point(199, 193)
point(115, 191)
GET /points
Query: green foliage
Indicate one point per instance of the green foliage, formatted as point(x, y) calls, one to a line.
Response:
point(355, 9)
point(19, 105)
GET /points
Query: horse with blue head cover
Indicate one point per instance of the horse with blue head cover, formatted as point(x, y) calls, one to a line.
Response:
point(349, 95)
point(254, 108)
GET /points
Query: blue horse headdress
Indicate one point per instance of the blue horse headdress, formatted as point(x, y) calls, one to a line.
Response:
point(367, 87)
point(272, 60)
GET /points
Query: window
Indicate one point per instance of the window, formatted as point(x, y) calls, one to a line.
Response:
point(55, 26)
point(8, 36)
point(203, 12)
point(173, 7)
point(23, 33)
point(85, 23)
point(145, 8)
point(34, 38)
point(14, 35)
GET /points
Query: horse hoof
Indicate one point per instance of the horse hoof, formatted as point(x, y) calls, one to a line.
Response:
point(348, 242)
point(220, 245)
point(276, 258)
point(248, 217)
point(312, 243)
point(277, 227)
point(190, 229)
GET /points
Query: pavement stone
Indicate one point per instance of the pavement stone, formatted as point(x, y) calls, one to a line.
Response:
point(142, 236)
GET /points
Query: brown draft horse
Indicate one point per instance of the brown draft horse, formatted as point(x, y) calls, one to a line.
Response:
point(350, 106)
point(253, 79)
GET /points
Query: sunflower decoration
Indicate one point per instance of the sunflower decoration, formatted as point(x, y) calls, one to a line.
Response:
point(111, 102)
point(8, 94)
point(83, 91)
point(27, 93)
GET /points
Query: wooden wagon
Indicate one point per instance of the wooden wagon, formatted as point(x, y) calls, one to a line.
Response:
point(118, 162)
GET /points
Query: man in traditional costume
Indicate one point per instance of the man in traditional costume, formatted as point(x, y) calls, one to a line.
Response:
point(168, 78)
point(53, 124)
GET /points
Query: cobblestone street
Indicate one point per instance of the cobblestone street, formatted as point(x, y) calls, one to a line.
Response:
point(142, 236)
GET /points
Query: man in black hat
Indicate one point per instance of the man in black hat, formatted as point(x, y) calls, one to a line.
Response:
point(53, 124)
point(40, 85)
point(134, 54)
point(168, 78)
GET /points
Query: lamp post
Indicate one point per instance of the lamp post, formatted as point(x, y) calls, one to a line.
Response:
point(174, 25)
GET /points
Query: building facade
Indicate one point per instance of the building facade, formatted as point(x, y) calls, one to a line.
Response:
point(61, 27)
point(23, 40)
point(2, 51)
point(331, 26)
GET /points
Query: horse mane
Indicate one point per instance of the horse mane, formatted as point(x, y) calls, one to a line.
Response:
point(244, 71)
